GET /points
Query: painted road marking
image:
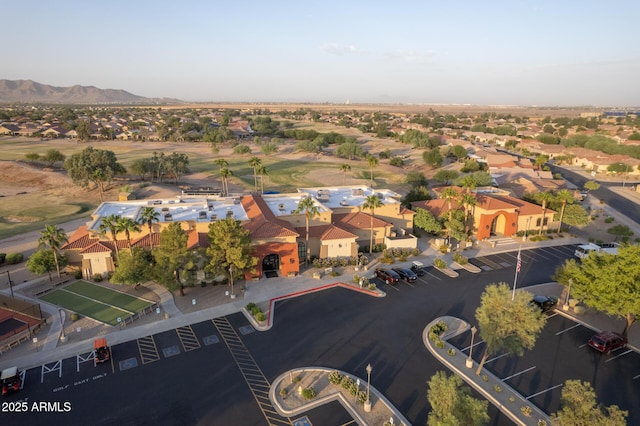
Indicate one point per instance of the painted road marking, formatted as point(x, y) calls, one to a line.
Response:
point(148, 349)
point(128, 363)
point(171, 351)
point(434, 276)
point(86, 357)
point(543, 391)
point(521, 372)
point(495, 358)
point(210, 340)
point(188, 338)
point(246, 329)
point(619, 355)
point(302, 421)
point(567, 329)
point(56, 366)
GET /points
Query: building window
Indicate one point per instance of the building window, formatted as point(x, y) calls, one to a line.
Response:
point(302, 252)
point(538, 222)
point(546, 221)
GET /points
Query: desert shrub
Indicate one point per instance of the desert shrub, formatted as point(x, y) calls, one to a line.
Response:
point(3, 257)
point(241, 149)
point(415, 251)
point(296, 379)
point(335, 377)
point(609, 220)
point(439, 263)
point(444, 249)
point(13, 258)
point(250, 306)
point(77, 274)
point(372, 287)
point(436, 330)
point(362, 397)
point(97, 277)
point(452, 351)
point(485, 378)
point(541, 237)
point(346, 382)
point(460, 259)
point(526, 410)
point(497, 388)
point(283, 392)
point(439, 344)
point(309, 393)
point(74, 316)
point(260, 316)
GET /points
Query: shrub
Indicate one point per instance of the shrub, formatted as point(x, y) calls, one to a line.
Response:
point(440, 263)
point(347, 382)
point(335, 274)
point(512, 399)
point(542, 422)
point(497, 388)
point(335, 377)
point(255, 311)
point(308, 393)
point(97, 277)
point(283, 392)
point(296, 379)
point(74, 316)
point(3, 257)
point(452, 351)
point(439, 344)
point(77, 274)
point(599, 242)
point(362, 397)
point(415, 251)
point(260, 316)
point(353, 390)
point(485, 378)
point(444, 249)
point(526, 410)
point(609, 220)
point(250, 306)
point(372, 287)
point(13, 258)
point(591, 239)
point(460, 259)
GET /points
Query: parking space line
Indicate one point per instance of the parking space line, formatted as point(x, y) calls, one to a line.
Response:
point(488, 262)
point(436, 277)
point(408, 283)
point(495, 358)
point(474, 345)
point(537, 253)
point(392, 286)
point(567, 329)
point(636, 377)
point(148, 349)
point(619, 355)
point(517, 374)
point(543, 391)
point(90, 356)
point(57, 366)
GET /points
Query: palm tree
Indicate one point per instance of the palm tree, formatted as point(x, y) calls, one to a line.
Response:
point(53, 237)
point(468, 202)
point(310, 209)
point(262, 171)
point(373, 161)
point(371, 203)
point(255, 162)
point(565, 196)
point(468, 182)
point(450, 194)
point(224, 174)
point(149, 215)
point(222, 163)
point(344, 168)
point(127, 225)
point(544, 197)
point(110, 223)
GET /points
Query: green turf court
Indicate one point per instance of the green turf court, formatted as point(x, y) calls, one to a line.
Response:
point(96, 302)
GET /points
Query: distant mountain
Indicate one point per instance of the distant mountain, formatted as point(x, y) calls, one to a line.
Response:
point(28, 91)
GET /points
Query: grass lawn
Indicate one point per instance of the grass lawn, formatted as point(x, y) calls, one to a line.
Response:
point(83, 306)
point(110, 297)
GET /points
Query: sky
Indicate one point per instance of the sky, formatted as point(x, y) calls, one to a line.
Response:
point(538, 52)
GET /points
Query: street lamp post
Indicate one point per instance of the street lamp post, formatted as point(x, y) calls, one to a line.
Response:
point(367, 403)
point(233, 296)
point(62, 336)
point(526, 232)
point(355, 400)
point(469, 361)
point(10, 283)
point(565, 307)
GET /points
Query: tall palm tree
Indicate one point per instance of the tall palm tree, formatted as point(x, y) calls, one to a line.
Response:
point(468, 182)
point(149, 215)
point(222, 163)
point(310, 209)
point(224, 174)
point(53, 237)
point(565, 196)
point(450, 194)
point(127, 225)
point(110, 224)
point(344, 168)
point(371, 203)
point(255, 162)
point(544, 197)
point(262, 171)
point(468, 201)
point(373, 161)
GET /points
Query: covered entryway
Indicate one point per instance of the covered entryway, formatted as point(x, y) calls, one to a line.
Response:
point(497, 225)
point(271, 265)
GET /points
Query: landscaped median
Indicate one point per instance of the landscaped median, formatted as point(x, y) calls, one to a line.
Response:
point(300, 390)
point(264, 320)
point(506, 399)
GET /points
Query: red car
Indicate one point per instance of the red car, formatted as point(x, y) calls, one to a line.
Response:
point(607, 341)
point(11, 380)
point(387, 275)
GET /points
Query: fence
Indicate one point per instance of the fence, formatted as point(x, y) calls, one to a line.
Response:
point(129, 320)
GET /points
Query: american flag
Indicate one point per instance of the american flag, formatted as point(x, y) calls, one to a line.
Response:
point(519, 263)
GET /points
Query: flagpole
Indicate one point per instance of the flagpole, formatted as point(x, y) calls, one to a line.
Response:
point(515, 279)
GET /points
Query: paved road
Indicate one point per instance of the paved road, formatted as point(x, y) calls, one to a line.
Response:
point(170, 377)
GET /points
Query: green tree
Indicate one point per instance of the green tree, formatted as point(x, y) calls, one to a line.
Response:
point(32, 157)
point(344, 168)
point(141, 167)
point(445, 176)
point(452, 403)
point(418, 193)
point(606, 282)
point(449, 195)
point(255, 162)
point(127, 225)
point(426, 221)
point(468, 201)
point(507, 322)
point(349, 150)
point(372, 202)
point(224, 176)
point(308, 206)
point(172, 257)
point(148, 215)
point(575, 215)
point(373, 161)
point(619, 167)
point(44, 262)
point(230, 248)
point(579, 407)
point(53, 237)
point(459, 152)
point(133, 267)
point(591, 185)
point(415, 179)
point(564, 196)
point(52, 156)
point(83, 130)
point(620, 231)
point(263, 172)
point(269, 148)
point(95, 166)
point(433, 157)
point(110, 224)
point(544, 198)
point(177, 164)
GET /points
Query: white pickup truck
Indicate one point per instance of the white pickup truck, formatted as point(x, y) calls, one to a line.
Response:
point(583, 250)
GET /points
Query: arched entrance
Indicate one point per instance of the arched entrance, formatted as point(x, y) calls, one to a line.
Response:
point(271, 265)
point(497, 225)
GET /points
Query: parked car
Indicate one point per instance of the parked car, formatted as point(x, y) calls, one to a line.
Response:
point(416, 267)
point(101, 350)
point(11, 380)
point(545, 303)
point(406, 274)
point(607, 341)
point(387, 275)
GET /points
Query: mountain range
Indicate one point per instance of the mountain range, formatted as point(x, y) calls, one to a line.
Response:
point(29, 91)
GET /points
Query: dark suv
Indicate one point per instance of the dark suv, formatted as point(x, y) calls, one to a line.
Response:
point(406, 274)
point(545, 303)
point(387, 275)
point(607, 341)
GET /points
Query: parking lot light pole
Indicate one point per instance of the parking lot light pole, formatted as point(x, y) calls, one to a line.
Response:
point(367, 403)
point(469, 361)
point(233, 296)
point(10, 283)
point(565, 307)
point(63, 338)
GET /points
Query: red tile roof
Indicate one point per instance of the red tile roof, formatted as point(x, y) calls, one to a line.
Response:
point(79, 240)
point(326, 232)
point(98, 247)
point(358, 220)
point(262, 222)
